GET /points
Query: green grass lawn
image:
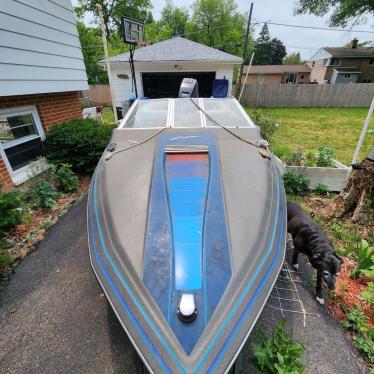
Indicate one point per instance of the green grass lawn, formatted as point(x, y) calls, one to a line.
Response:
point(311, 128)
point(108, 116)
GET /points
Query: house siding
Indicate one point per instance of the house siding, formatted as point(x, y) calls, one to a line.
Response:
point(39, 48)
point(52, 108)
point(322, 73)
point(123, 87)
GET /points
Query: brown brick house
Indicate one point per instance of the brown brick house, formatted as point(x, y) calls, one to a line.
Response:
point(41, 73)
point(343, 65)
point(273, 74)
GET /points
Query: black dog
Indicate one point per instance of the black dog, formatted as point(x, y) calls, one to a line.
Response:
point(310, 239)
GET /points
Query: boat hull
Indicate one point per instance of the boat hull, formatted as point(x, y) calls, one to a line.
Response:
point(254, 209)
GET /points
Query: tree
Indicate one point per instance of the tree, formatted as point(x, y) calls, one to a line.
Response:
point(216, 23)
point(268, 51)
point(343, 11)
point(262, 50)
point(174, 18)
point(278, 52)
point(92, 50)
point(113, 10)
point(293, 59)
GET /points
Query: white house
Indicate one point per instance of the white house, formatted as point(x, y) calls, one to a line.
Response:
point(41, 72)
point(160, 68)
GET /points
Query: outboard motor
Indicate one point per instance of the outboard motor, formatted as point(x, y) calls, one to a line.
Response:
point(189, 88)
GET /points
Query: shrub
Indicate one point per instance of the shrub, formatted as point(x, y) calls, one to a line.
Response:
point(279, 353)
point(11, 210)
point(267, 124)
point(322, 189)
point(43, 195)
point(365, 258)
point(66, 180)
point(368, 295)
point(325, 157)
point(363, 334)
point(297, 158)
point(6, 260)
point(79, 143)
point(295, 184)
point(310, 163)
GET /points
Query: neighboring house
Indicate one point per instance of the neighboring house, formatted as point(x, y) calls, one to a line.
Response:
point(41, 72)
point(160, 68)
point(273, 74)
point(343, 65)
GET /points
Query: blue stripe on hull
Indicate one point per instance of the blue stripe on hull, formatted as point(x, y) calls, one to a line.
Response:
point(187, 248)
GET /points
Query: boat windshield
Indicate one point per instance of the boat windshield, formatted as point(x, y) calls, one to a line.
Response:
point(182, 113)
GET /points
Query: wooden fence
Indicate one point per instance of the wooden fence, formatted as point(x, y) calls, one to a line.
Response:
point(308, 95)
point(98, 94)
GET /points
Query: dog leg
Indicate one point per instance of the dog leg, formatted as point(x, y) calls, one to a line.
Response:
point(295, 256)
point(319, 296)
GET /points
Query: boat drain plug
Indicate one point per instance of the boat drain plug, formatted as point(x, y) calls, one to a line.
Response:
point(187, 311)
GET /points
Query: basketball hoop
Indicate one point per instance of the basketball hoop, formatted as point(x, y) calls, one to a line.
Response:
point(132, 31)
point(133, 34)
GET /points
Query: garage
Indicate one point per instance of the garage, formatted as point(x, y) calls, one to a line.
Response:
point(160, 68)
point(160, 85)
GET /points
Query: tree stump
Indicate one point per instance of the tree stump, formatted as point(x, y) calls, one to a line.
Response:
point(357, 199)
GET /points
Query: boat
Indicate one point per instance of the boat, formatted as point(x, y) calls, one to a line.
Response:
point(187, 230)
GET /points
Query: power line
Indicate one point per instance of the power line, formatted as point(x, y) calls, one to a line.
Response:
point(314, 27)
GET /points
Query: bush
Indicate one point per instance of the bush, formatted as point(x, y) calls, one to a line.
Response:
point(325, 157)
point(365, 259)
point(11, 210)
point(267, 124)
point(43, 195)
point(295, 184)
point(322, 189)
point(66, 180)
point(79, 143)
point(278, 354)
point(297, 158)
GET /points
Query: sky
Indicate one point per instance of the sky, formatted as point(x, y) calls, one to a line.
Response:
point(306, 41)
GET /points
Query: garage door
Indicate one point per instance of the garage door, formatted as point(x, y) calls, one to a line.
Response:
point(159, 85)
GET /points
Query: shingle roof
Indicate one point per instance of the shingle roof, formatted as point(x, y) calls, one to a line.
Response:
point(351, 52)
point(276, 69)
point(177, 49)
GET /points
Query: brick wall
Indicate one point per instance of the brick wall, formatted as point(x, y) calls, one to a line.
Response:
point(52, 108)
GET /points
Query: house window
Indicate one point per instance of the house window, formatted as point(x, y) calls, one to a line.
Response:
point(291, 78)
point(21, 135)
point(326, 62)
point(335, 61)
point(366, 81)
point(371, 61)
point(313, 64)
point(347, 75)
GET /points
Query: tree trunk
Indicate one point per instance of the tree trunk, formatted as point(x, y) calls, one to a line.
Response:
point(357, 199)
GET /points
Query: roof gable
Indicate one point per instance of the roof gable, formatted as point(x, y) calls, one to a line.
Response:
point(177, 49)
point(327, 52)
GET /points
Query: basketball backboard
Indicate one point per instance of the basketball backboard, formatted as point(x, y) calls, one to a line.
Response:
point(132, 31)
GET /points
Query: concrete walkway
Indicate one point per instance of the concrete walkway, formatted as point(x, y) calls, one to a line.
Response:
point(55, 319)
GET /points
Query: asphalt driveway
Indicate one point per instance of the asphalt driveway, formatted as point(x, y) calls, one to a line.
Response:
point(55, 319)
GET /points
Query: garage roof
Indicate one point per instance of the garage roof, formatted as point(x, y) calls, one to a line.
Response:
point(178, 49)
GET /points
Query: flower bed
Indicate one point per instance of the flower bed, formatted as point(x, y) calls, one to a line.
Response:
point(334, 178)
point(319, 168)
point(26, 235)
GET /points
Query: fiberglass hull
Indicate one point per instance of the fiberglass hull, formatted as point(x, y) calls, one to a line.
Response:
point(135, 205)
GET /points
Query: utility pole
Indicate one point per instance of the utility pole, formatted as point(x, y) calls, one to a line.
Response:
point(245, 45)
point(107, 60)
